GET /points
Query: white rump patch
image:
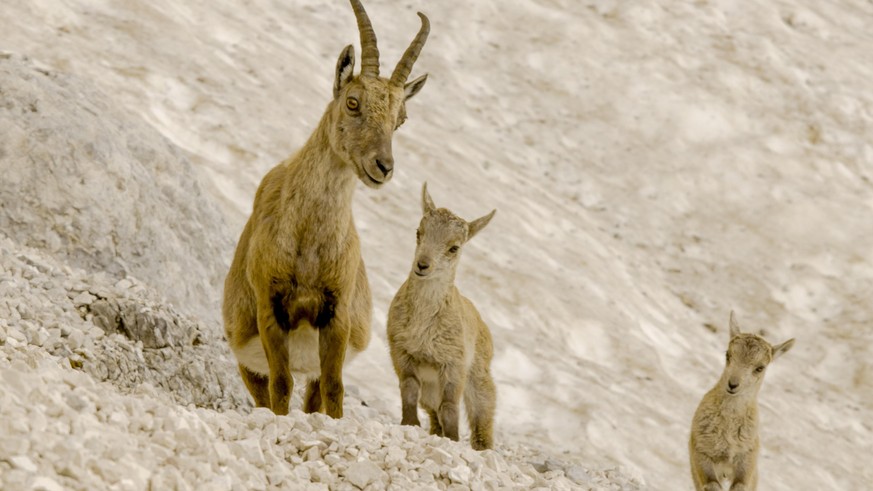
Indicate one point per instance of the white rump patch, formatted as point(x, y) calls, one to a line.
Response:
point(302, 354)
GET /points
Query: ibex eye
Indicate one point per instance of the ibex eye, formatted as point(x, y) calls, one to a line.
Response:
point(453, 249)
point(352, 103)
point(759, 369)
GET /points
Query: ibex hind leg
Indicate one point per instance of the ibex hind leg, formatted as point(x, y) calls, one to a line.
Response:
point(257, 386)
point(435, 427)
point(312, 400)
point(480, 399)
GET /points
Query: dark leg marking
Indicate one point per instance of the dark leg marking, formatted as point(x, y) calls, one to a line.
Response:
point(312, 400)
point(281, 313)
point(327, 311)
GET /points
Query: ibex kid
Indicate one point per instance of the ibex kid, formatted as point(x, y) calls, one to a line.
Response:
point(724, 433)
point(440, 347)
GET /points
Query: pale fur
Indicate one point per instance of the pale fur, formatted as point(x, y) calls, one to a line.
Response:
point(440, 347)
point(724, 439)
point(296, 298)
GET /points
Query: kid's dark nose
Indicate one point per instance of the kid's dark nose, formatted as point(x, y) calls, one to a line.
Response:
point(385, 164)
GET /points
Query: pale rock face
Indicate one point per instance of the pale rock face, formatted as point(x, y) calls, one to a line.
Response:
point(103, 190)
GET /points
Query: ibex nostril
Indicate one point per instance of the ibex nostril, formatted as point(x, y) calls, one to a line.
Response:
point(732, 385)
point(385, 165)
point(423, 266)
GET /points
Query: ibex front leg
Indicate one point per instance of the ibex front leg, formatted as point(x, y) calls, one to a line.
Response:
point(452, 382)
point(409, 391)
point(274, 341)
point(333, 339)
point(745, 473)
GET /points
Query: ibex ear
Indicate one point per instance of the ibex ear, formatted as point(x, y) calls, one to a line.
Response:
point(781, 349)
point(413, 87)
point(427, 205)
point(734, 327)
point(345, 68)
point(479, 223)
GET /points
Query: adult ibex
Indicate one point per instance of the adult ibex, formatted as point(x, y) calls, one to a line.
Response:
point(296, 297)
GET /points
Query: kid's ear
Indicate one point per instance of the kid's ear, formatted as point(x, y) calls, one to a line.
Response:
point(479, 223)
point(345, 68)
point(734, 327)
point(427, 205)
point(783, 348)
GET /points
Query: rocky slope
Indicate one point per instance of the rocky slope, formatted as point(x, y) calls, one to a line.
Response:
point(106, 385)
point(103, 387)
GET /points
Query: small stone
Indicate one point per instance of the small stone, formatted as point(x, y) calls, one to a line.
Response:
point(275, 477)
point(578, 474)
point(96, 332)
point(222, 451)
point(553, 465)
point(25, 311)
point(460, 474)
point(76, 339)
point(321, 473)
point(249, 450)
point(83, 298)
point(363, 473)
point(23, 462)
point(45, 484)
point(313, 454)
point(12, 446)
point(123, 284)
point(440, 456)
point(40, 336)
point(260, 416)
point(303, 472)
point(395, 455)
point(17, 335)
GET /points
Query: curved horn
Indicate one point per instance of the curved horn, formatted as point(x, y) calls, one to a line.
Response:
point(369, 51)
point(404, 66)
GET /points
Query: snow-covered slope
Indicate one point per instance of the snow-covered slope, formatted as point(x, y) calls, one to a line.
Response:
point(654, 167)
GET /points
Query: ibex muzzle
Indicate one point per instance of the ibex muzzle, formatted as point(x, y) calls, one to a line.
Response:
point(367, 109)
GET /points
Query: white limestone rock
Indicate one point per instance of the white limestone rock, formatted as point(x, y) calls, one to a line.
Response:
point(23, 462)
point(363, 473)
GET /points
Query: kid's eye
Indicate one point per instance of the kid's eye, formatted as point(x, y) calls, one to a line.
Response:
point(453, 249)
point(759, 369)
point(352, 103)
